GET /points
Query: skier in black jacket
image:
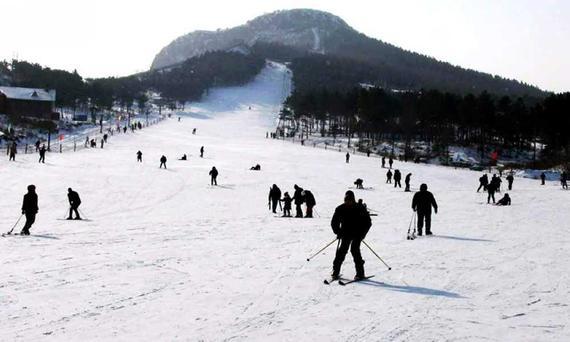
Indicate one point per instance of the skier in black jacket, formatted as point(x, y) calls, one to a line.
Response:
point(407, 181)
point(162, 162)
point(483, 182)
point(350, 223)
point(389, 177)
point(214, 176)
point(542, 178)
point(421, 203)
point(510, 180)
point(298, 198)
point(310, 202)
point(274, 197)
point(74, 202)
point(506, 200)
point(397, 178)
point(30, 209)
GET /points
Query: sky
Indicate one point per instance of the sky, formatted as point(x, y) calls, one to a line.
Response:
point(527, 40)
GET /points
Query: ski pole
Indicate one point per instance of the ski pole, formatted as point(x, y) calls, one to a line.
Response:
point(82, 214)
point(322, 249)
point(15, 224)
point(370, 248)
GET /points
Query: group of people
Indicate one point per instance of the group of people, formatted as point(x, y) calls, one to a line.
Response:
point(494, 185)
point(30, 207)
point(300, 197)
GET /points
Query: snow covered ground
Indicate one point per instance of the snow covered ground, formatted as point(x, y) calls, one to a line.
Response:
point(166, 257)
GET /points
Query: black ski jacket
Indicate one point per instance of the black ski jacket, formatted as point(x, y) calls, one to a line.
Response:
point(30, 203)
point(74, 199)
point(351, 221)
point(423, 201)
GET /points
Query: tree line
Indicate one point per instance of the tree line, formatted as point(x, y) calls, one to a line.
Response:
point(441, 119)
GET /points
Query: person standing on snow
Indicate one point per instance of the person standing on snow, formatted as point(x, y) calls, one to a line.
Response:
point(563, 180)
point(350, 223)
point(202, 152)
point(389, 177)
point(214, 175)
point(286, 204)
point(139, 156)
point(30, 209)
point(162, 162)
point(347, 157)
point(298, 198)
point(542, 178)
point(309, 202)
point(510, 180)
point(274, 197)
point(491, 188)
point(397, 178)
point(390, 162)
point(483, 182)
point(13, 151)
point(407, 182)
point(383, 162)
point(74, 202)
point(421, 203)
point(42, 154)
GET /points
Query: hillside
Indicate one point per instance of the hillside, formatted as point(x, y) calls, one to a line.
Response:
point(322, 38)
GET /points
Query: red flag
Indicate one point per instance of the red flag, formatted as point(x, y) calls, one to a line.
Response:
point(60, 137)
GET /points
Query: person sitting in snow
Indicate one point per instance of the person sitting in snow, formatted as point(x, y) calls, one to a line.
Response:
point(257, 167)
point(506, 200)
point(183, 157)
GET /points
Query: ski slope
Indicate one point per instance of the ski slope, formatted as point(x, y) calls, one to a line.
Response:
point(167, 257)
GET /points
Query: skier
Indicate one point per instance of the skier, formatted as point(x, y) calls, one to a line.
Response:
point(74, 202)
point(37, 144)
point(102, 142)
point(383, 162)
point(347, 157)
point(139, 156)
point(13, 151)
point(496, 181)
point(86, 141)
point(563, 180)
point(350, 223)
point(389, 177)
point(30, 209)
point(510, 180)
point(542, 178)
point(202, 152)
point(483, 182)
point(358, 183)
point(214, 175)
point(390, 162)
point(286, 204)
point(506, 200)
point(194, 131)
point(184, 157)
point(407, 182)
point(105, 137)
point(397, 178)
point(42, 154)
point(491, 188)
point(368, 153)
point(274, 197)
point(162, 162)
point(309, 202)
point(421, 203)
point(298, 198)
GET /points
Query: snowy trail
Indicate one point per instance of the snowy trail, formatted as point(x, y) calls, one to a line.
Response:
point(168, 257)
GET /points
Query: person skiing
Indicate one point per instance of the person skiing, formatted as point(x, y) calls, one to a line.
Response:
point(194, 131)
point(390, 162)
point(483, 182)
point(30, 209)
point(162, 162)
point(563, 180)
point(74, 202)
point(309, 202)
point(298, 198)
point(397, 178)
point(383, 162)
point(407, 182)
point(491, 188)
point(214, 175)
point(274, 197)
point(389, 177)
point(350, 223)
point(42, 154)
point(422, 203)
point(347, 157)
point(358, 183)
point(286, 204)
point(202, 152)
point(510, 180)
point(13, 151)
point(542, 178)
point(139, 156)
point(506, 200)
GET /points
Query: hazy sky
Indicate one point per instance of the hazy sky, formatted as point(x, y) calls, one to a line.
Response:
point(522, 39)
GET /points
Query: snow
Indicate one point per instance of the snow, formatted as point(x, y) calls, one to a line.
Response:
point(167, 257)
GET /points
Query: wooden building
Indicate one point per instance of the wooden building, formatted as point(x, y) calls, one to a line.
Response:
point(28, 102)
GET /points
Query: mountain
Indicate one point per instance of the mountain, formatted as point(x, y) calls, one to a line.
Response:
point(323, 39)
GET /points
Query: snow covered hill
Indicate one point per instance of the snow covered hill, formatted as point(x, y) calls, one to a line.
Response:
point(165, 256)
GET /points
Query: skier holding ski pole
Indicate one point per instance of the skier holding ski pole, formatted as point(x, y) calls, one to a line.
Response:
point(370, 248)
point(322, 249)
point(14, 226)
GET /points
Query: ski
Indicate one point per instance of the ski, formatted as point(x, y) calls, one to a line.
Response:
point(343, 283)
point(331, 280)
